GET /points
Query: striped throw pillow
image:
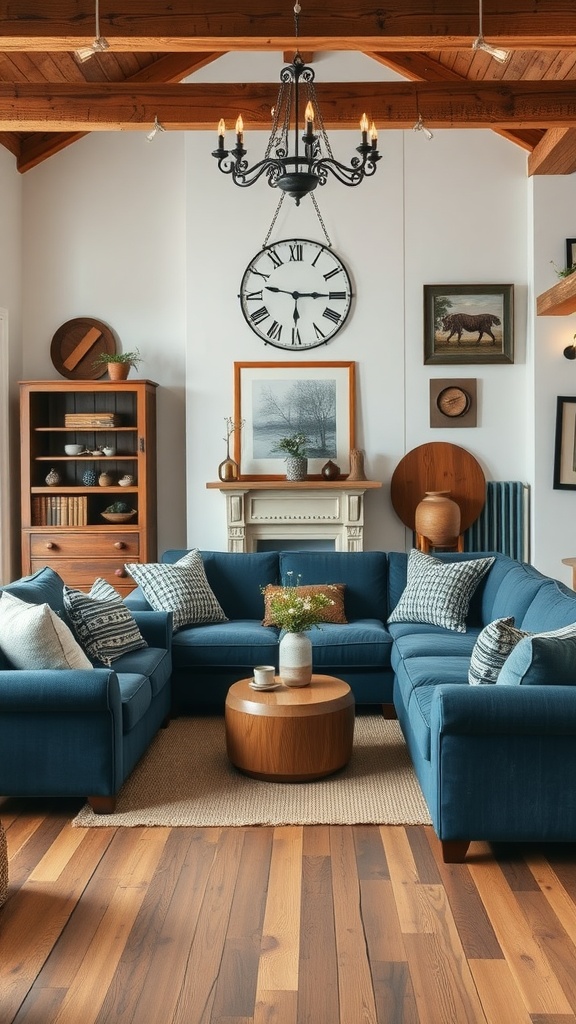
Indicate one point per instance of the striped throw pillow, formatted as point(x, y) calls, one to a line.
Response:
point(104, 626)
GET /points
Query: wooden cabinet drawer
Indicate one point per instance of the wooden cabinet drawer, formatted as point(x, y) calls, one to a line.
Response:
point(121, 545)
point(82, 574)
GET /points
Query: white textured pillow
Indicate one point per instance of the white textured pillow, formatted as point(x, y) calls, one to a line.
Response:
point(32, 636)
point(181, 588)
point(439, 592)
point(103, 624)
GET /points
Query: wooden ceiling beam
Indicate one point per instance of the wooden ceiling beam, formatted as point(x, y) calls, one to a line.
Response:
point(35, 148)
point(108, 106)
point(555, 154)
point(193, 25)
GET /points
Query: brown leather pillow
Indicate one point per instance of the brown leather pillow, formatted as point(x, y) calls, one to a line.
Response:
point(331, 613)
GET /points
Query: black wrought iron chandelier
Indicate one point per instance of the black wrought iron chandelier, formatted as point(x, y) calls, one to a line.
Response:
point(312, 159)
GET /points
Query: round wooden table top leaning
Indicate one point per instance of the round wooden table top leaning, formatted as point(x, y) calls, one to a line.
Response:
point(290, 734)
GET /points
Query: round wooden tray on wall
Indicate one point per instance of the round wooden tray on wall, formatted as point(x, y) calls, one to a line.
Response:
point(438, 466)
point(77, 343)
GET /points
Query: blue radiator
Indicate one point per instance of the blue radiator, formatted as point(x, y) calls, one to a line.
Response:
point(503, 525)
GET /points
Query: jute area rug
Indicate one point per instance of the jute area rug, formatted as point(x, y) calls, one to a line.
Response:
point(185, 778)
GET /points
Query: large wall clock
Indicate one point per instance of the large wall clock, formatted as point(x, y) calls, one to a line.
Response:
point(296, 294)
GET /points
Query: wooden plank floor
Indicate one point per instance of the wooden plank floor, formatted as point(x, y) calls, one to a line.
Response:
point(291, 925)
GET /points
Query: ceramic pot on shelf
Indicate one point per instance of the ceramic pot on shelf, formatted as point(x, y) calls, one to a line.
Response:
point(437, 518)
point(296, 468)
point(295, 653)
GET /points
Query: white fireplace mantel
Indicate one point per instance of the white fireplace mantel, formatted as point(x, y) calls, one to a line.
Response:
point(307, 510)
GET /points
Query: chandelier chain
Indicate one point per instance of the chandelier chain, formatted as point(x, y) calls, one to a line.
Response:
point(273, 221)
point(320, 218)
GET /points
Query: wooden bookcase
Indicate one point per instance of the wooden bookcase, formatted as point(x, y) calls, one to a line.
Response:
point(62, 524)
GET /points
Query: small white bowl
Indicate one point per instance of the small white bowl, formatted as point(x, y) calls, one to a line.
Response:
point(109, 452)
point(73, 449)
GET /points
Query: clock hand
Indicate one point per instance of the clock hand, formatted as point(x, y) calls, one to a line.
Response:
point(298, 295)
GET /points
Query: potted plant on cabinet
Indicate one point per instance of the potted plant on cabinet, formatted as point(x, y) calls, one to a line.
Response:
point(118, 363)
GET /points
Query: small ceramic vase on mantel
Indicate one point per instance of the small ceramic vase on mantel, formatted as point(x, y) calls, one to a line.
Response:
point(295, 651)
point(437, 518)
point(296, 468)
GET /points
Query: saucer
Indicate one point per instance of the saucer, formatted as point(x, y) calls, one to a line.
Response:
point(273, 686)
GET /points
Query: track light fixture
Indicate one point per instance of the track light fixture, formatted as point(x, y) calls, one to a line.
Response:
point(480, 43)
point(421, 127)
point(98, 46)
point(157, 128)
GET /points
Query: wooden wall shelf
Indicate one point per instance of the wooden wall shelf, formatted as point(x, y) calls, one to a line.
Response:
point(559, 300)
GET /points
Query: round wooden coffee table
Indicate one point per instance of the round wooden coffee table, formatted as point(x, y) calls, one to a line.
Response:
point(290, 734)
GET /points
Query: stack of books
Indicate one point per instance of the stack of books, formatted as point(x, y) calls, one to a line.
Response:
point(87, 420)
point(59, 510)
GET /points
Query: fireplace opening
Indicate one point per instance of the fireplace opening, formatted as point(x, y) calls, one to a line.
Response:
point(296, 544)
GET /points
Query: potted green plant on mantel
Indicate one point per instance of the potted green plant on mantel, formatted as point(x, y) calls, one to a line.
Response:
point(118, 363)
point(294, 447)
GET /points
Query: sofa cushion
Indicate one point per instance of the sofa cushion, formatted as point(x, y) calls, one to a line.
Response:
point(434, 642)
point(240, 644)
point(364, 643)
point(32, 636)
point(491, 649)
point(553, 605)
point(136, 697)
point(237, 578)
point(44, 586)
point(417, 679)
point(152, 662)
point(363, 573)
point(509, 589)
point(439, 592)
point(103, 624)
point(541, 660)
point(334, 612)
point(181, 588)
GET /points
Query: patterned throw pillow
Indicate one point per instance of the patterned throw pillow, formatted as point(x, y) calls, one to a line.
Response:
point(181, 588)
point(491, 649)
point(103, 624)
point(332, 613)
point(32, 636)
point(439, 593)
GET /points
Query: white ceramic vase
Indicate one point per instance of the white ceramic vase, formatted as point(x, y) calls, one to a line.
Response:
point(295, 659)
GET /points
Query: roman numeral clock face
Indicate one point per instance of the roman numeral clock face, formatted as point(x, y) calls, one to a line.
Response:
point(296, 294)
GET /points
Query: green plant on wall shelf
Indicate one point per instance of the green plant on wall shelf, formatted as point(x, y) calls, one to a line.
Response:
point(131, 358)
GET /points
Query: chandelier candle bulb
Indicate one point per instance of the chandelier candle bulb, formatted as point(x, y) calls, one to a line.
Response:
point(221, 132)
point(373, 135)
point(364, 129)
point(239, 130)
point(309, 117)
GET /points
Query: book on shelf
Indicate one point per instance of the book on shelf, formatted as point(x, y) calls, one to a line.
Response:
point(59, 510)
point(77, 420)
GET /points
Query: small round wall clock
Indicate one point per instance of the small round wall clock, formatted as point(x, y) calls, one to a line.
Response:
point(296, 294)
point(453, 401)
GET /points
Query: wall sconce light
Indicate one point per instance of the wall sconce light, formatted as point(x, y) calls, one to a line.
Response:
point(570, 350)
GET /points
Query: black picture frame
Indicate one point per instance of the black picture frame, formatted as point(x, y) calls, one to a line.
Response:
point(570, 252)
point(565, 444)
point(450, 310)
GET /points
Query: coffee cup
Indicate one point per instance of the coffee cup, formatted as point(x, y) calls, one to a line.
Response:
point(264, 675)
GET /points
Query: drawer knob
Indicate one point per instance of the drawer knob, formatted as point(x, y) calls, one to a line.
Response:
point(120, 545)
point(120, 572)
point(51, 545)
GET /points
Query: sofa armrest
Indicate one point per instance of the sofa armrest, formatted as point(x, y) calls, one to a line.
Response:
point(502, 760)
point(60, 733)
point(61, 690)
point(156, 627)
point(503, 710)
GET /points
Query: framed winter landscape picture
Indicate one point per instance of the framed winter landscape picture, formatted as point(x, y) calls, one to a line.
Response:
point(278, 400)
point(468, 323)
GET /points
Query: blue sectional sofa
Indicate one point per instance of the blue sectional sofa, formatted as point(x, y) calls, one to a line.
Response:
point(495, 762)
point(79, 732)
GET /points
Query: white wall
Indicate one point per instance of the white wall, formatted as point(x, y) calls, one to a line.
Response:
point(151, 238)
point(104, 236)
